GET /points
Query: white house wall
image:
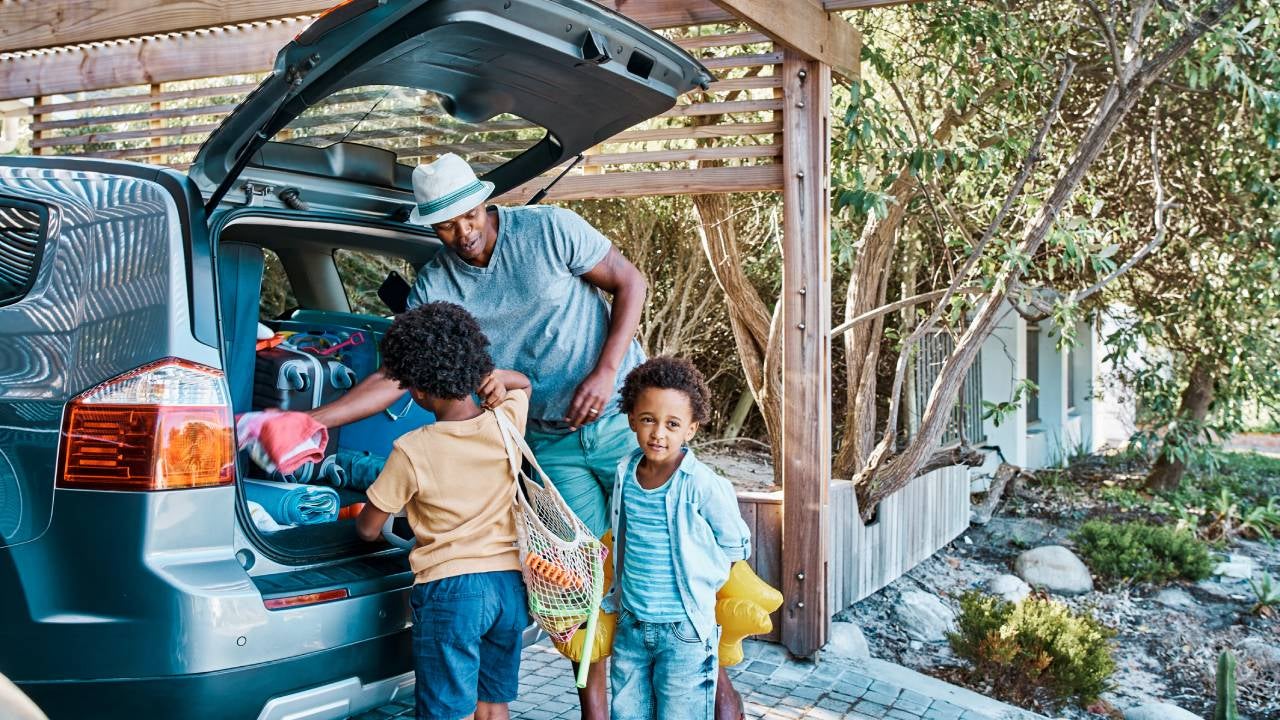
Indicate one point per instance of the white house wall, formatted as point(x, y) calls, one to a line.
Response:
point(1004, 363)
point(1066, 424)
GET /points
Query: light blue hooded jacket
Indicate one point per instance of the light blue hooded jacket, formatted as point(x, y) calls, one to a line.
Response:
point(707, 536)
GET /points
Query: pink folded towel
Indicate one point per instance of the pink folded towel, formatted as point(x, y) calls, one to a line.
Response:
point(282, 441)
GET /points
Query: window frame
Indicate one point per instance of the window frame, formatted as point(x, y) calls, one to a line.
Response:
point(1033, 373)
point(42, 241)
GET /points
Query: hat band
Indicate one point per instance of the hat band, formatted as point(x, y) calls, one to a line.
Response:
point(444, 201)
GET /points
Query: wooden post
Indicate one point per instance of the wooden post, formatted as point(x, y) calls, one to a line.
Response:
point(154, 124)
point(587, 167)
point(37, 116)
point(806, 351)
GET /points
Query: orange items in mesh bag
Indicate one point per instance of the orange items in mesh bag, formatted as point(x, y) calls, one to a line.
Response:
point(553, 572)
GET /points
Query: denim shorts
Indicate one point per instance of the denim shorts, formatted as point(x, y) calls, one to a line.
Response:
point(662, 671)
point(468, 632)
point(584, 464)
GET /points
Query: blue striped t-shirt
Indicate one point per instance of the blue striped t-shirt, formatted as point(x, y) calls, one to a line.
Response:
point(648, 577)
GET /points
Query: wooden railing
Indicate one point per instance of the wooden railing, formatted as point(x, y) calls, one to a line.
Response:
point(725, 139)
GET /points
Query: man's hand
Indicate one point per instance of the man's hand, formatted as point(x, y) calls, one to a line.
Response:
point(492, 390)
point(591, 397)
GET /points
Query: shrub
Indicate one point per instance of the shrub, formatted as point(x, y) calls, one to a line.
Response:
point(1136, 550)
point(1035, 650)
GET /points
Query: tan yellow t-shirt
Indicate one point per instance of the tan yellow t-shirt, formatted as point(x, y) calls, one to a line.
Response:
point(454, 481)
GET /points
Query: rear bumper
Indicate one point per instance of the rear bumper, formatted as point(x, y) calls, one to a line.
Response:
point(331, 683)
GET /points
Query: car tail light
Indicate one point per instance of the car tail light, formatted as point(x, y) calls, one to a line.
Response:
point(280, 603)
point(164, 426)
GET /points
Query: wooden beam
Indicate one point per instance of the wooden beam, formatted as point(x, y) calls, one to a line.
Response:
point(725, 152)
point(806, 351)
point(738, 61)
point(114, 100)
point(659, 14)
point(696, 132)
point(804, 26)
point(228, 50)
point(754, 178)
point(722, 108)
point(216, 52)
point(31, 25)
point(835, 5)
point(699, 42)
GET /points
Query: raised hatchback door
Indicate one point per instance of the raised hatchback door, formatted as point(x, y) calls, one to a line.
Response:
point(573, 71)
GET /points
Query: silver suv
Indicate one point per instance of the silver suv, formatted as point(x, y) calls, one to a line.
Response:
point(133, 581)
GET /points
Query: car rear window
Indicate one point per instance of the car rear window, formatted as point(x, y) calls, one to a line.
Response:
point(362, 273)
point(23, 227)
point(414, 124)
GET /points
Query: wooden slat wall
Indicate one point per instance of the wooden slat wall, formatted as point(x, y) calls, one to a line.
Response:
point(763, 515)
point(721, 140)
point(912, 524)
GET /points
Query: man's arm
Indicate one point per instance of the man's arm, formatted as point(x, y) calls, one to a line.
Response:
point(495, 386)
point(618, 277)
point(373, 395)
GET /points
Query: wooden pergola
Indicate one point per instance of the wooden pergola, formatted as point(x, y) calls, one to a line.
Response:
point(136, 47)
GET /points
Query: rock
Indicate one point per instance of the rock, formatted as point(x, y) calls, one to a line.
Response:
point(847, 641)
point(1159, 711)
point(1009, 587)
point(1259, 653)
point(1055, 569)
point(1221, 591)
point(1238, 567)
point(1176, 599)
point(923, 616)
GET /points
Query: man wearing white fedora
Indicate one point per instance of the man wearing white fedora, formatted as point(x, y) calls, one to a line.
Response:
point(534, 278)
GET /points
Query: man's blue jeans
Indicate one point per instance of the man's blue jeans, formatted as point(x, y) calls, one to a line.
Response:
point(662, 671)
point(583, 465)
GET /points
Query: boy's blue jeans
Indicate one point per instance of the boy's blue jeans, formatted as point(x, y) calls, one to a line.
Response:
point(662, 671)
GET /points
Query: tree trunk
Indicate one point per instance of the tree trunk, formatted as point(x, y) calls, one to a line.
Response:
point(885, 472)
point(868, 288)
point(1167, 473)
point(754, 327)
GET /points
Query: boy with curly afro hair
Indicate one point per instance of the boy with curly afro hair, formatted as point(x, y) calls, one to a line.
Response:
point(454, 482)
point(677, 529)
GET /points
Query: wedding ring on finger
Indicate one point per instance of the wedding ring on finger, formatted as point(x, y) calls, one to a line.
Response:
point(594, 411)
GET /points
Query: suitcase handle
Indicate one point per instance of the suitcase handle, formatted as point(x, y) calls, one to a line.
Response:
point(341, 377)
point(291, 378)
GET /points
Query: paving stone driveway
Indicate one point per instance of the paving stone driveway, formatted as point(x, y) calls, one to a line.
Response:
point(773, 686)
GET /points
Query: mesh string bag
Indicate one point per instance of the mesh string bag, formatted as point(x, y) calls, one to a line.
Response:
point(562, 561)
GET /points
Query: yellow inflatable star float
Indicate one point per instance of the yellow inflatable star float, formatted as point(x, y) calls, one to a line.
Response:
point(743, 606)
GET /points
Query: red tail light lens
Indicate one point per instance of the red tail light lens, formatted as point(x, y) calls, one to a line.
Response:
point(282, 603)
point(164, 426)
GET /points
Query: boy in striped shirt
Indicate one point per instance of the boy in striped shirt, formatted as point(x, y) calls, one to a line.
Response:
point(678, 530)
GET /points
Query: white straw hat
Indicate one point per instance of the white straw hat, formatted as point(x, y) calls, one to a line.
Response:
point(445, 189)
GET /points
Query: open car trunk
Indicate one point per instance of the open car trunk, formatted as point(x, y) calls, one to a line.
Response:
point(321, 153)
point(319, 349)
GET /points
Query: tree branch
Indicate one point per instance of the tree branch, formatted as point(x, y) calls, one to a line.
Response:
point(1028, 165)
point(1211, 16)
point(845, 326)
point(1108, 34)
point(1162, 205)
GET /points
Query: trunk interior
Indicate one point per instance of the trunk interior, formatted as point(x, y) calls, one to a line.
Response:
point(301, 323)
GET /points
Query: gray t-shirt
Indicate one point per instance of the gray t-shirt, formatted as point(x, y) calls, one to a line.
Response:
point(541, 318)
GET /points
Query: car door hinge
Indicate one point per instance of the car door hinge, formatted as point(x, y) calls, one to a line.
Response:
point(255, 193)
